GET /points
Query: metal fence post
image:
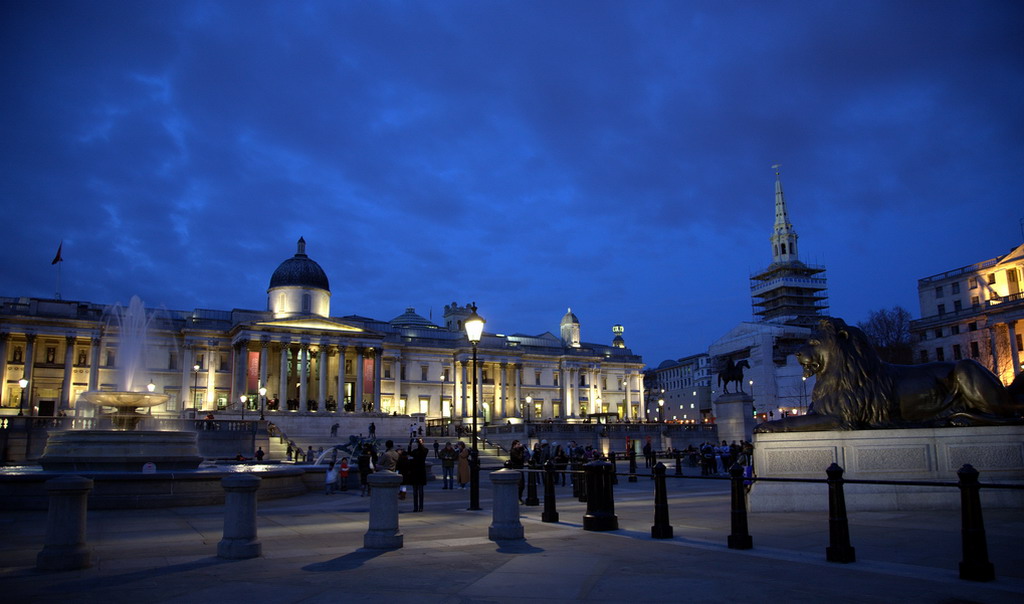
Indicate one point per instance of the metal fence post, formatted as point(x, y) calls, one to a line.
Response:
point(740, 538)
point(550, 514)
point(975, 565)
point(839, 549)
point(531, 487)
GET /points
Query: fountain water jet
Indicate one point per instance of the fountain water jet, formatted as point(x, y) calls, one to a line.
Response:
point(123, 447)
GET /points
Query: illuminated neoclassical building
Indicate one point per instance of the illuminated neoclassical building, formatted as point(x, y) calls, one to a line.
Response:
point(311, 362)
point(974, 312)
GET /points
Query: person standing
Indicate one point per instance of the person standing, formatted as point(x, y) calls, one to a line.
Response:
point(389, 460)
point(343, 473)
point(463, 460)
point(366, 467)
point(418, 474)
point(259, 454)
point(448, 456)
point(330, 480)
point(648, 453)
point(437, 449)
point(334, 428)
point(517, 461)
point(373, 430)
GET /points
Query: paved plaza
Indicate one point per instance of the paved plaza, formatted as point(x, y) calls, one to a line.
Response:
point(312, 552)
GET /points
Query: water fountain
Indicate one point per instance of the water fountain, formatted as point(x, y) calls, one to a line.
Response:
point(123, 447)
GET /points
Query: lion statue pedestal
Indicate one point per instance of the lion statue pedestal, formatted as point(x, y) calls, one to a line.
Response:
point(997, 452)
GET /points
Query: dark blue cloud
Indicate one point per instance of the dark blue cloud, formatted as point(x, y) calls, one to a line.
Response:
point(613, 157)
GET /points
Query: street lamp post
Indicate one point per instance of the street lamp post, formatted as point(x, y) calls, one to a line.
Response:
point(661, 410)
point(263, 401)
point(529, 409)
point(474, 331)
point(244, 400)
point(23, 383)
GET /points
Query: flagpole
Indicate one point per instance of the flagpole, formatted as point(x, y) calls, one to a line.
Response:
point(58, 279)
point(58, 259)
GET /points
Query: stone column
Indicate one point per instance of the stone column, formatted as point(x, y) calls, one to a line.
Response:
point(4, 337)
point(626, 398)
point(282, 379)
point(517, 389)
point(239, 540)
point(29, 359)
point(94, 370)
point(1014, 353)
point(993, 343)
point(383, 531)
point(69, 360)
point(323, 363)
point(65, 547)
point(341, 378)
point(303, 375)
point(459, 394)
point(500, 398)
point(211, 377)
point(377, 356)
point(241, 372)
point(396, 375)
point(505, 523)
point(264, 361)
point(358, 397)
point(185, 387)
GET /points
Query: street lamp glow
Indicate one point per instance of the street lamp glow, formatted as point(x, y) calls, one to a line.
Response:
point(151, 386)
point(474, 325)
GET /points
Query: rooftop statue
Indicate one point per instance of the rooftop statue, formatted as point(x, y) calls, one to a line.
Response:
point(855, 389)
point(733, 372)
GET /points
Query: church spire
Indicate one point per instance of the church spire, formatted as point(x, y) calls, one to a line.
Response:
point(783, 235)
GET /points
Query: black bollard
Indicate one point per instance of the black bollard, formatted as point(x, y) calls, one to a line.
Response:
point(615, 472)
point(679, 463)
point(632, 465)
point(600, 514)
point(740, 538)
point(661, 529)
point(839, 549)
point(975, 566)
point(550, 514)
point(531, 487)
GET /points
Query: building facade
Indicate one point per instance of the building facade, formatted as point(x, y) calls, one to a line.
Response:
point(684, 386)
point(307, 361)
point(974, 312)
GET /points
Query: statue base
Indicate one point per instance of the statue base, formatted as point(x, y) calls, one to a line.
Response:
point(921, 454)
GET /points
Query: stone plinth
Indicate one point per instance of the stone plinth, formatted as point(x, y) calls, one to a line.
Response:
point(239, 540)
point(383, 532)
point(997, 452)
point(65, 547)
point(505, 523)
point(734, 415)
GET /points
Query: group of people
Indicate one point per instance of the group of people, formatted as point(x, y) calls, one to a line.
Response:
point(716, 459)
point(410, 462)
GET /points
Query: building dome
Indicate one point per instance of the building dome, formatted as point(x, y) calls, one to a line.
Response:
point(300, 271)
point(410, 319)
point(570, 318)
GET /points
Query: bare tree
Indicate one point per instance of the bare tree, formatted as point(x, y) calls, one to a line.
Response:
point(889, 332)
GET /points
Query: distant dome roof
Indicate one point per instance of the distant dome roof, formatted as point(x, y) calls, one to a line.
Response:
point(410, 319)
point(300, 271)
point(570, 318)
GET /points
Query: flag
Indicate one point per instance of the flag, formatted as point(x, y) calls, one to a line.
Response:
point(57, 258)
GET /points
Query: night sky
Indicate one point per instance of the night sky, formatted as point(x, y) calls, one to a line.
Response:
point(612, 157)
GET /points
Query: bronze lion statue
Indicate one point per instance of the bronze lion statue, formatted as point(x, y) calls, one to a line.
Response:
point(855, 389)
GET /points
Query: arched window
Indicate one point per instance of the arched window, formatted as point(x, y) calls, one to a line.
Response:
point(307, 302)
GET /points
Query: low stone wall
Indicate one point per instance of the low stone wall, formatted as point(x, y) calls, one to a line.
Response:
point(935, 455)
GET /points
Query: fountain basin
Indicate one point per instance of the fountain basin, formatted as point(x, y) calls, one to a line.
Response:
point(120, 451)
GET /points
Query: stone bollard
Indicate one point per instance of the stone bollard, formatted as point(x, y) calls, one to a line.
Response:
point(600, 514)
point(65, 547)
point(383, 532)
point(240, 542)
point(550, 513)
point(505, 524)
